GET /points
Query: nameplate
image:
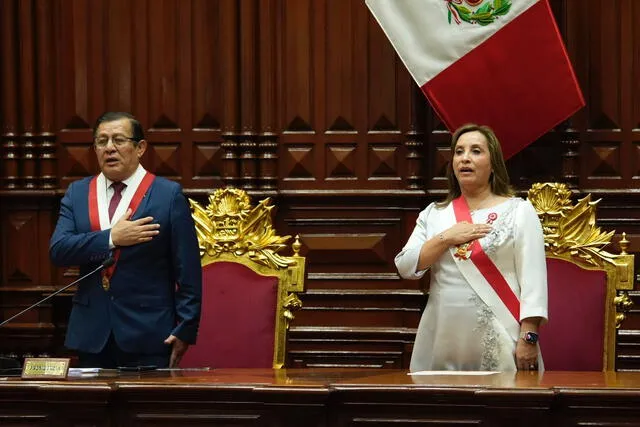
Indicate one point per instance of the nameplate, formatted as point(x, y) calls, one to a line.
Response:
point(45, 368)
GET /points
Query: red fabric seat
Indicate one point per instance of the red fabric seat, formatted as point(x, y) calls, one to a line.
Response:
point(573, 340)
point(237, 327)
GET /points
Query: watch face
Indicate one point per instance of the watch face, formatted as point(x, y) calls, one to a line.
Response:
point(531, 337)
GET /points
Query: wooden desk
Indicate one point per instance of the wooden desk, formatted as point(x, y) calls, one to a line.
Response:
point(329, 397)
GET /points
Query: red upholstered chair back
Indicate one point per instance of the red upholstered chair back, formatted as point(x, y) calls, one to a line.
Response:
point(237, 328)
point(573, 340)
point(249, 290)
point(587, 285)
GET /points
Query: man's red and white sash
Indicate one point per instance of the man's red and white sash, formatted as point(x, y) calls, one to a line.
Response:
point(98, 206)
point(485, 278)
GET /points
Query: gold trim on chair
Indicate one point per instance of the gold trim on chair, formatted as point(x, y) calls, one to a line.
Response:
point(570, 234)
point(230, 229)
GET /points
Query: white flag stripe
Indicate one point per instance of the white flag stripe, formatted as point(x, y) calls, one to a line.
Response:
point(420, 32)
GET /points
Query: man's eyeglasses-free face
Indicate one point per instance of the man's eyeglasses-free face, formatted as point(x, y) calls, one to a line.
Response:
point(117, 140)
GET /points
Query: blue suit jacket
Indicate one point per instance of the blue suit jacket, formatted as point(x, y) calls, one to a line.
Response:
point(156, 288)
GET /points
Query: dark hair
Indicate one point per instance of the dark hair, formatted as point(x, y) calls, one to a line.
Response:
point(112, 116)
point(499, 179)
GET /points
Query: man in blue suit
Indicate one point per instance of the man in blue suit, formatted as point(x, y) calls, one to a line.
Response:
point(145, 309)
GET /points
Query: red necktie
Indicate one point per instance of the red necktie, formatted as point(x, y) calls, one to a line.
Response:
point(115, 199)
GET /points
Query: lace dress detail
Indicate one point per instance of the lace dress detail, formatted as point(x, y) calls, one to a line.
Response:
point(503, 227)
point(490, 342)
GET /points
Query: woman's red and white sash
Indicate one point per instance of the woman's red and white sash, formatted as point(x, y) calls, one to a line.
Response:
point(485, 278)
point(99, 217)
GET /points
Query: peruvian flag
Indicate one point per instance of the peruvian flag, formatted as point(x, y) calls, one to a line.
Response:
point(500, 63)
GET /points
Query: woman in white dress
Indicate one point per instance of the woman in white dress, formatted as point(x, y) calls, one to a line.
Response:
point(484, 249)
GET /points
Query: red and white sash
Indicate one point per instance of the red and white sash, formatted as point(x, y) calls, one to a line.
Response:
point(485, 278)
point(98, 214)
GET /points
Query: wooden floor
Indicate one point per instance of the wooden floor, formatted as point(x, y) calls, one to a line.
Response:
point(324, 397)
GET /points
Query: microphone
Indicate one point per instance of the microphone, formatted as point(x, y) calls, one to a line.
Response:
point(105, 264)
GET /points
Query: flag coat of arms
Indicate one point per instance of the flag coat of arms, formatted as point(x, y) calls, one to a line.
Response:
point(500, 63)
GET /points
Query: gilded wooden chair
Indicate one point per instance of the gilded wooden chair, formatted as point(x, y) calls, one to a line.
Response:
point(249, 289)
point(587, 285)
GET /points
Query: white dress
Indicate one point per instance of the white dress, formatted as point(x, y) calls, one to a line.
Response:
point(461, 327)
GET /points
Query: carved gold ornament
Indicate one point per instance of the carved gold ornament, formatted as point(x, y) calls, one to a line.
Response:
point(230, 225)
point(569, 229)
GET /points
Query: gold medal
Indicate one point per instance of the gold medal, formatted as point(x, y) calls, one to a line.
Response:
point(105, 283)
point(462, 251)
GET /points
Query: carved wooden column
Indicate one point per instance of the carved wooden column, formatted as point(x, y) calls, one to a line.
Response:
point(570, 155)
point(9, 96)
point(46, 95)
point(414, 141)
point(248, 93)
point(248, 158)
point(27, 95)
point(229, 61)
point(569, 135)
point(267, 141)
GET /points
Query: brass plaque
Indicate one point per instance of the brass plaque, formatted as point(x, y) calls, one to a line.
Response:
point(45, 368)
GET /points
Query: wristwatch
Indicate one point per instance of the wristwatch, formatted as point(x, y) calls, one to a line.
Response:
point(529, 337)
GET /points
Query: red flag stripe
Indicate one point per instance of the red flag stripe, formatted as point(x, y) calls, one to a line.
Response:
point(531, 92)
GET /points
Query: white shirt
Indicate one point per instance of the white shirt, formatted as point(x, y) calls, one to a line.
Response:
point(131, 185)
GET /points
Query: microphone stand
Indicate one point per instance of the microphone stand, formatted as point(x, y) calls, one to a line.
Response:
point(105, 264)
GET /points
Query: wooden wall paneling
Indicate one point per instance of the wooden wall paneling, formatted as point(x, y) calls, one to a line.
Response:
point(342, 127)
point(300, 156)
point(229, 59)
point(45, 100)
point(9, 83)
point(632, 37)
point(356, 310)
point(140, 64)
point(345, 128)
point(624, 20)
point(570, 157)
point(26, 100)
point(355, 327)
point(606, 44)
point(180, 156)
point(27, 123)
point(341, 122)
point(210, 93)
point(628, 348)
point(168, 115)
point(603, 138)
point(27, 274)
point(394, 126)
point(437, 151)
point(576, 36)
point(117, 50)
point(81, 76)
point(268, 40)
point(415, 168)
point(249, 93)
point(570, 138)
